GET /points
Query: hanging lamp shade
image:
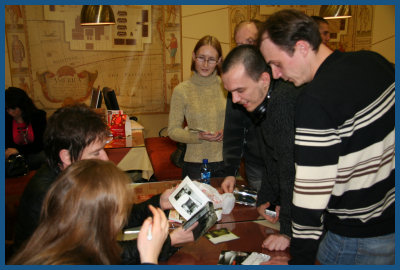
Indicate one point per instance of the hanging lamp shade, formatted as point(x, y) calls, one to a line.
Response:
point(335, 11)
point(97, 15)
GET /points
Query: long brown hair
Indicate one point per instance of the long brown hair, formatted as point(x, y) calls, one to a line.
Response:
point(213, 42)
point(81, 216)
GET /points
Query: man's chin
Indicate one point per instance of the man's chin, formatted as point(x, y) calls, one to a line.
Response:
point(249, 108)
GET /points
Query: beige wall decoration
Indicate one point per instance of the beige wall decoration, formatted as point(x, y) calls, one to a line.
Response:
point(17, 44)
point(139, 57)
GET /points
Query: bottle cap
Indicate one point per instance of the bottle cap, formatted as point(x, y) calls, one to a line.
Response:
point(205, 160)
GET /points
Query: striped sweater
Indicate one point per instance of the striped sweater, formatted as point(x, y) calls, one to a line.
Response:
point(344, 153)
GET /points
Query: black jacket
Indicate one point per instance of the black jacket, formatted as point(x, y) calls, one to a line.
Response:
point(31, 203)
point(38, 125)
point(276, 141)
point(239, 138)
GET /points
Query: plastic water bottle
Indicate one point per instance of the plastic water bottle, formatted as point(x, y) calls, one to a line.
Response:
point(205, 173)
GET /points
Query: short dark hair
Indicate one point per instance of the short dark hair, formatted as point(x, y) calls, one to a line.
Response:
point(213, 42)
point(251, 58)
point(288, 26)
point(15, 97)
point(319, 20)
point(73, 128)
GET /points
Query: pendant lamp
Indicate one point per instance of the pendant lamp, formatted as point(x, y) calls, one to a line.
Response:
point(97, 15)
point(335, 11)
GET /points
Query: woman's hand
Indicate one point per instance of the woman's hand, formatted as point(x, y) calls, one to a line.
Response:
point(212, 137)
point(152, 236)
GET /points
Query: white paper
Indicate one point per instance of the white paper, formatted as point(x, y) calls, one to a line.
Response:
point(188, 199)
point(256, 258)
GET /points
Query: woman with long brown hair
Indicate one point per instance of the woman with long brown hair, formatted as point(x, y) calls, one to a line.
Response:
point(200, 101)
point(83, 213)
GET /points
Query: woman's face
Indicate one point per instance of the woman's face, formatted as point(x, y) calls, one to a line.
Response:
point(206, 59)
point(14, 113)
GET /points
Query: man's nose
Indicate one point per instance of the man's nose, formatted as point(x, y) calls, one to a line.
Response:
point(235, 97)
point(276, 72)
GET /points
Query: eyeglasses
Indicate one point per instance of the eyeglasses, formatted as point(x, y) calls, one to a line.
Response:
point(202, 59)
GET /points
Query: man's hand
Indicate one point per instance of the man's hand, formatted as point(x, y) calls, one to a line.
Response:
point(276, 242)
point(165, 204)
point(181, 236)
point(261, 210)
point(228, 185)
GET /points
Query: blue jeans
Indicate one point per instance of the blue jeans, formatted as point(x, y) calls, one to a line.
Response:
point(336, 249)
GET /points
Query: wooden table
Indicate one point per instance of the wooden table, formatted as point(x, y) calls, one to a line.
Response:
point(144, 191)
point(203, 252)
point(130, 154)
point(244, 221)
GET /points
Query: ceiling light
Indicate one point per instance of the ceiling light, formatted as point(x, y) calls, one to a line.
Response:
point(335, 11)
point(97, 15)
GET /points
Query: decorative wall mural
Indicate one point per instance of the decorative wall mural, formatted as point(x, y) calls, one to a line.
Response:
point(139, 57)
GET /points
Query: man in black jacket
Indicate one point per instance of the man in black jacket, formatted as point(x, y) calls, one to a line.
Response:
point(74, 133)
point(239, 131)
point(271, 104)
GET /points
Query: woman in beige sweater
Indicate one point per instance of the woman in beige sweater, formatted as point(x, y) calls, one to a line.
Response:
point(200, 101)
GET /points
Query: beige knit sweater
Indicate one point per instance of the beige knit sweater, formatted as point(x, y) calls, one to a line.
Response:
point(201, 101)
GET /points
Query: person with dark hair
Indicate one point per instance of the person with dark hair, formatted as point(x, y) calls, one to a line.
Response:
point(82, 214)
point(240, 139)
point(271, 104)
point(323, 27)
point(24, 127)
point(200, 101)
point(344, 195)
point(77, 133)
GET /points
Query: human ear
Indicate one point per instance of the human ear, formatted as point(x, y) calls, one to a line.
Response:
point(266, 79)
point(65, 158)
point(302, 46)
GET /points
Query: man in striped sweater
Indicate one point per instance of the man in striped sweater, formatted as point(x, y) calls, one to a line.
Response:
point(344, 193)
